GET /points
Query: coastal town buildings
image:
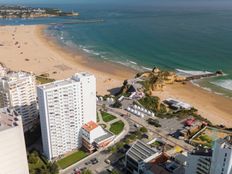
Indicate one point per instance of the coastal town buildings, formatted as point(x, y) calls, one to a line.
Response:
point(18, 91)
point(13, 157)
point(222, 156)
point(198, 161)
point(65, 106)
point(138, 157)
point(217, 160)
point(95, 137)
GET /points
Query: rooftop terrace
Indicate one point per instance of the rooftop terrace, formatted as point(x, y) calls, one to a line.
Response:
point(59, 83)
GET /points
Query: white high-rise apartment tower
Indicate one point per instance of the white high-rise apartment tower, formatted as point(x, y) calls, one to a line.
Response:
point(64, 107)
point(18, 91)
point(221, 162)
point(13, 156)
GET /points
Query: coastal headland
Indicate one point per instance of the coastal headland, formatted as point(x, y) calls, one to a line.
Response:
point(27, 48)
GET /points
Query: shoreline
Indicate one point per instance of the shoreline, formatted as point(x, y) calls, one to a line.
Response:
point(216, 108)
point(82, 58)
point(26, 48)
point(39, 53)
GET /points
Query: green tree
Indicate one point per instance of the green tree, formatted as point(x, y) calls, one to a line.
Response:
point(143, 129)
point(53, 168)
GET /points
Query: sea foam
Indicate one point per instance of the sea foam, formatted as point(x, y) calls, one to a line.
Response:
point(189, 72)
point(227, 84)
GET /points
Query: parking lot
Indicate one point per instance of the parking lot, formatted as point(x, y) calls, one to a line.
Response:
point(171, 124)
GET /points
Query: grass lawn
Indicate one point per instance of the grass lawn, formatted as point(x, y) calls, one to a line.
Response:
point(205, 138)
point(43, 80)
point(117, 127)
point(71, 159)
point(107, 117)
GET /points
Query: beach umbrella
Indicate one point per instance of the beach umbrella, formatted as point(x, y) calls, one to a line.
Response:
point(142, 115)
point(128, 108)
point(142, 109)
point(145, 110)
point(135, 106)
point(139, 107)
point(152, 114)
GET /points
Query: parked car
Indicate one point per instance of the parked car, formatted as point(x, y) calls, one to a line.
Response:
point(107, 161)
point(94, 161)
point(84, 168)
point(88, 162)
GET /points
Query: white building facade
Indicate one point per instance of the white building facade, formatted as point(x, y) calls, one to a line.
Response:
point(64, 107)
point(18, 91)
point(222, 156)
point(13, 156)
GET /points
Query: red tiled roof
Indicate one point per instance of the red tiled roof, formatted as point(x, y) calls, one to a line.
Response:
point(90, 126)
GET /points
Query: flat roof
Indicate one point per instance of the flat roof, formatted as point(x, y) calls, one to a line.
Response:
point(226, 142)
point(140, 151)
point(55, 84)
point(103, 137)
point(202, 152)
point(59, 83)
point(8, 118)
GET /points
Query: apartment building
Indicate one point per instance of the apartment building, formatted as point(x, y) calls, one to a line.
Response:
point(18, 91)
point(13, 156)
point(65, 106)
point(222, 156)
point(198, 161)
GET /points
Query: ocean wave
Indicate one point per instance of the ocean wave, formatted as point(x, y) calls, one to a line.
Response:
point(207, 89)
point(146, 68)
point(189, 72)
point(90, 51)
point(132, 62)
point(226, 84)
point(69, 43)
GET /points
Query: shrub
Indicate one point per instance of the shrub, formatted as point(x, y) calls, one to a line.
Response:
point(143, 129)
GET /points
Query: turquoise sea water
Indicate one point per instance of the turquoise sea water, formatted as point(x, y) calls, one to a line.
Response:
point(141, 38)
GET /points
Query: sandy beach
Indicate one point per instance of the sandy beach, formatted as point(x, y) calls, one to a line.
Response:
point(26, 48)
point(216, 108)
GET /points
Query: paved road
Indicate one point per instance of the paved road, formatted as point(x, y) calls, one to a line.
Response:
point(101, 166)
point(161, 133)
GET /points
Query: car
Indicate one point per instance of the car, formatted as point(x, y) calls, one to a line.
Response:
point(107, 161)
point(84, 168)
point(94, 161)
point(87, 163)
